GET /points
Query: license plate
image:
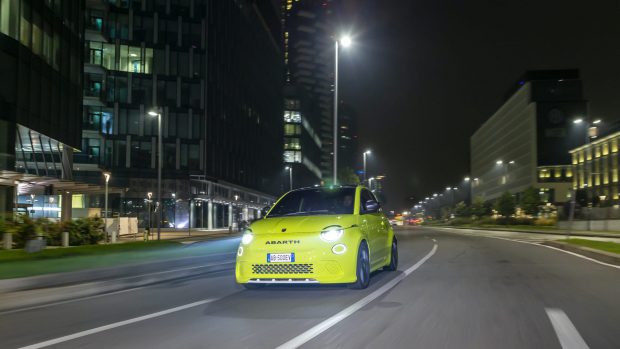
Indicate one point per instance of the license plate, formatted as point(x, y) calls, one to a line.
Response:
point(280, 257)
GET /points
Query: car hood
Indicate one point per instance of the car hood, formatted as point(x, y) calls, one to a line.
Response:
point(301, 224)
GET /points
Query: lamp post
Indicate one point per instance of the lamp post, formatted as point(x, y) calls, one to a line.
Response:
point(370, 183)
point(290, 176)
point(157, 112)
point(106, 175)
point(591, 132)
point(345, 41)
point(366, 153)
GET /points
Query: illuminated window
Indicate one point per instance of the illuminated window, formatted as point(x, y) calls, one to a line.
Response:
point(605, 172)
point(292, 143)
point(292, 116)
point(292, 130)
point(614, 193)
point(292, 156)
point(77, 201)
point(569, 172)
point(581, 156)
point(605, 148)
point(589, 153)
point(597, 151)
point(541, 174)
point(614, 145)
point(557, 173)
point(575, 158)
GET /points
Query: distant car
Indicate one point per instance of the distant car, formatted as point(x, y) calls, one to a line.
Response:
point(318, 235)
point(393, 222)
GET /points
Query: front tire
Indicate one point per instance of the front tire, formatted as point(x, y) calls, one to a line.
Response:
point(362, 270)
point(393, 257)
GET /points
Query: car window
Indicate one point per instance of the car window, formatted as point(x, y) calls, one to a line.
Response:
point(315, 201)
point(365, 195)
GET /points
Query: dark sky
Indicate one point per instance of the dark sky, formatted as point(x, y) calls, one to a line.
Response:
point(424, 75)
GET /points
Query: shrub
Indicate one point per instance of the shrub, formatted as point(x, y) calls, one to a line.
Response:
point(461, 221)
point(546, 221)
point(84, 231)
point(23, 229)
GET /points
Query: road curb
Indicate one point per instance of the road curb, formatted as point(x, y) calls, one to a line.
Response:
point(602, 256)
point(17, 299)
point(550, 232)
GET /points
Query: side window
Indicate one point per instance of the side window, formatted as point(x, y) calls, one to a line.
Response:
point(364, 197)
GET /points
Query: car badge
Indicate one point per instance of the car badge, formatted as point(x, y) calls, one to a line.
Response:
point(283, 230)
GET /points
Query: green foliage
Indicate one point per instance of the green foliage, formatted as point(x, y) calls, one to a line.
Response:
point(478, 207)
point(82, 231)
point(505, 205)
point(530, 201)
point(461, 210)
point(461, 221)
point(347, 175)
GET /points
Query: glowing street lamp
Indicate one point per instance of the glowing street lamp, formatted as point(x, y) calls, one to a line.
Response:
point(366, 153)
point(290, 176)
point(344, 41)
point(157, 113)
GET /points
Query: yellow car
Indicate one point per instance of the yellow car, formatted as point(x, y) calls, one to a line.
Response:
point(336, 235)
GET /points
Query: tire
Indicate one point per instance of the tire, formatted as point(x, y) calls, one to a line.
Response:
point(393, 257)
point(362, 269)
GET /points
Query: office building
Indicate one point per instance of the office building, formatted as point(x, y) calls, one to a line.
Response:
point(526, 142)
point(213, 70)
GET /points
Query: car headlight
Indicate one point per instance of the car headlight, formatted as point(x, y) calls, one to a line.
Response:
point(331, 234)
point(247, 237)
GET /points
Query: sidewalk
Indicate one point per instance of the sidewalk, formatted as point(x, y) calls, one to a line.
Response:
point(183, 235)
point(574, 233)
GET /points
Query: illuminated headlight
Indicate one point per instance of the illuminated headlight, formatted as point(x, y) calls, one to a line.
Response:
point(331, 234)
point(247, 238)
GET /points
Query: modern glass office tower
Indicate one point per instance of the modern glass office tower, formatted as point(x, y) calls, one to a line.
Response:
point(213, 70)
point(41, 49)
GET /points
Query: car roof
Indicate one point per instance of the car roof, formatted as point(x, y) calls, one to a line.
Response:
point(329, 187)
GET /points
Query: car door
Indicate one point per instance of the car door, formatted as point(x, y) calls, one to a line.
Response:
point(383, 230)
point(372, 221)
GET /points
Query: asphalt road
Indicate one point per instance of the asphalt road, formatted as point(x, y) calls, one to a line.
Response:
point(452, 291)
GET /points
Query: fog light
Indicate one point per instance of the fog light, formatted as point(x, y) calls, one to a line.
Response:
point(240, 251)
point(339, 249)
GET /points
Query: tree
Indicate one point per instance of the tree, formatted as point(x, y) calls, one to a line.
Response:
point(347, 175)
point(461, 210)
point(478, 208)
point(505, 205)
point(530, 201)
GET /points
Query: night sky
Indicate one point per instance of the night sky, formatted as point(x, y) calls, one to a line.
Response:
point(424, 75)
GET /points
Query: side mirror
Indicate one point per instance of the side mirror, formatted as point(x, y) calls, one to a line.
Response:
point(264, 210)
point(372, 206)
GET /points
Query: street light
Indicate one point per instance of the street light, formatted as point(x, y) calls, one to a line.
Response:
point(345, 41)
point(290, 176)
point(107, 175)
point(370, 182)
point(366, 153)
point(157, 113)
point(466, 179)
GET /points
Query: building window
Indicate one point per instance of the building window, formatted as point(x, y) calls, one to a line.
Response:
point(9, 18)
point(292, 116)
point(292, 143)
point(605, 148)
point(292, 130)
point(292, 156)
point(141, 154)
point(614, 145)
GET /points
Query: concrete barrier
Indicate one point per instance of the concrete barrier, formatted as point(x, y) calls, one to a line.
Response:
point(594, 225)
point(65, 239)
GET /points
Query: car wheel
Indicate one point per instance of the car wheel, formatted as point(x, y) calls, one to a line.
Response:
point(393, 257)
point(362, 270)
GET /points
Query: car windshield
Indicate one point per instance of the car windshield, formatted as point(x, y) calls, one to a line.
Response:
point(315, 201)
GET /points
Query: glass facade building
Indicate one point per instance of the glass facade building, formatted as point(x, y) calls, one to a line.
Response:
point(41, 54)
point(213, 69)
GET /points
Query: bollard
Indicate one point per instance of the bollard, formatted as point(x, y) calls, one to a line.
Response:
point(65, 239)
point(113, 237)
point(7, 241)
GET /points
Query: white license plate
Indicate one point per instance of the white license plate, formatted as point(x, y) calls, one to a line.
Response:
point(280, 257)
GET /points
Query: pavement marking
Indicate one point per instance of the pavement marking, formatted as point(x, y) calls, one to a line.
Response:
point(343, 314)
point(434, 240)
point(116, 324)
point(539, 245)
point(565, 330)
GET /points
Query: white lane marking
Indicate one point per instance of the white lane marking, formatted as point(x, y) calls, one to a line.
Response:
point(565, 330)
point(116, 324)
point(47, 305)
point(539, 245)
point(343, 314)
point(434, 240)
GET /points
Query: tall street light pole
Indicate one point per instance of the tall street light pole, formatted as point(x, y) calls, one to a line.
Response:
point(290, 176)
point(106, 175)
point(345, 41)
point(157, 112)
point(366, 153)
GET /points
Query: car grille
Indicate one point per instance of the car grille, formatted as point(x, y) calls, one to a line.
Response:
point(282, 268)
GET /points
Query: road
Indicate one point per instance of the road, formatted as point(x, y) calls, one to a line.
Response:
point(452, 290)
